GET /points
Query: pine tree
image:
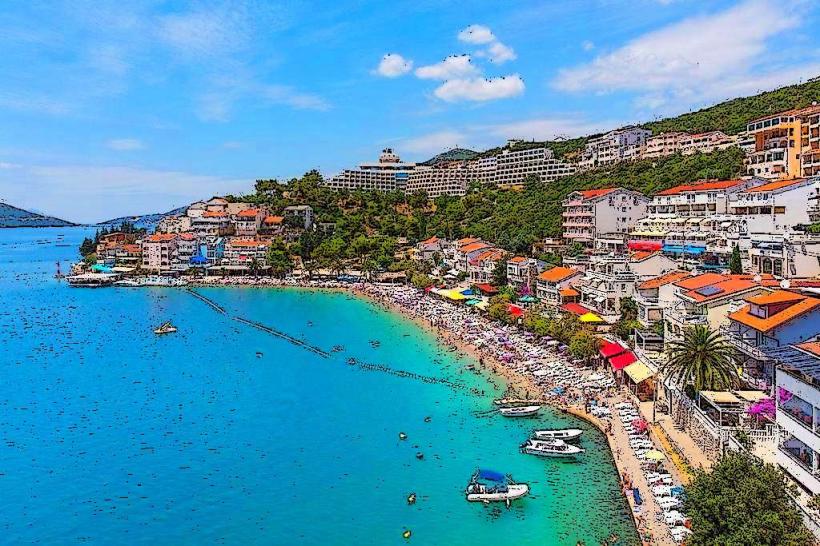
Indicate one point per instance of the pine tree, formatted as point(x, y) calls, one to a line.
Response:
point(735, 264)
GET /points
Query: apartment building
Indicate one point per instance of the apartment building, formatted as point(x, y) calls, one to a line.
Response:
point(187, 248)
point(777, 146)
point(590, 212)
point(768, 321)
point(700, 199)
point(706, 143)
point(553, 281)
point(303, 212)
point(480, 268)
point(654, 295)
point(788, 255)
point(427, 250)
point(159, 251)
point(776, 206)
point(513, 167)
point(390, 173)
point(798, 413)
point(606, 280)
point(522, 273)
point(809, 141)
point(211, 223)
point(450, 178)
point(614, 146)
point(664, 144)
point(248, 221)
point(245, 251)
point(174, 224)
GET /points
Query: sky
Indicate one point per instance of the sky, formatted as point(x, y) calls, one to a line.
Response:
point(124, 108)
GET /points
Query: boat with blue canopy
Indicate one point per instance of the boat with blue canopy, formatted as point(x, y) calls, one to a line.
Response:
point(491, 486)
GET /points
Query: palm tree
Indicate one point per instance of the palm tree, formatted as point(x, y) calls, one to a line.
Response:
point(702, 358)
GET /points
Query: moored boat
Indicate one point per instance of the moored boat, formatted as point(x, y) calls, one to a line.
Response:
point(566, 434)
point(550, 448)
point(165, 328)
point(490, 486)
point(519, 411)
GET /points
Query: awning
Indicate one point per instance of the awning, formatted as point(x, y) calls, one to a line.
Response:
point(568, 292)
point(454, 295)
point(623, 360)
point(590, 318)
point(514, 310)
point(638, 372)
point(673, 248)
point(751, 396)
point(487, 288)
point(644, 245)
point(610, 349)
point(473, 302)
point(482, 306)
point(720, 397)
point(575, 308)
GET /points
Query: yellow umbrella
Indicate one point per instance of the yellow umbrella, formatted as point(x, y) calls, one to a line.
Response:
point(590, 317)
point(654, 455)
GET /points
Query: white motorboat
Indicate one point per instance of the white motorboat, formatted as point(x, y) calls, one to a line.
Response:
point(165, 328)
point(520, 411)
point(490, 486)
point(566, 434)
point(550, 448)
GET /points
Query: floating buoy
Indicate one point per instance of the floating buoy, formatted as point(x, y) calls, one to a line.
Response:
point(428, 419)
point(411, 499)
point(407, 534)
point(402, 436)
point(419, 455)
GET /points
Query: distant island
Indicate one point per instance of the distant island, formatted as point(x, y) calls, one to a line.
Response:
point(13, 217)
point(143, 221)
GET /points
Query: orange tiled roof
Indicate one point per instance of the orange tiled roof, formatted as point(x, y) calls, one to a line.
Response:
point(641, 255)
point(248, 213)
point(466, 241)
point(493, 254)
point(161, 237)
point(131, 249)
point(778, 296)
point(472, 247)
point(699, 281)
point(591, 194)
point(187, 236)
point(430, 241)
point(213, 214)
point(812, 347)
point(569, 292)
point(727, 288)
point(273, 220)
point(557, 274)
point(776, 185)
point(701, 186)
point(765, 324)
point(518, 259)
point(248, 243)
point(663, 280)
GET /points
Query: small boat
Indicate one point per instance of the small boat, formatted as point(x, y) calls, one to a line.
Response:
point(550, 448)
point(490, 486)
point(165, 328)
point(566, 434)
point(520, 411)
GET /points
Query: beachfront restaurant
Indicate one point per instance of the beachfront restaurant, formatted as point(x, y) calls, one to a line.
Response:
point(723, 408)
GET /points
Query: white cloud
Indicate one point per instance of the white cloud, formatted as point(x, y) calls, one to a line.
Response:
point(697, 59)
point(476, 34)
point(587, 45)
point(125, 144)
point(203, 33)
point(86, 193)
point(495, 51)
point(481, 89)
point(454, 66)
point(433, 143)
point(288, 96)
point(393, 65)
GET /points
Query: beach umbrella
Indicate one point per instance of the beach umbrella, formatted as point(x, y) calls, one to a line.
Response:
point(654, 455)
point(639, 424)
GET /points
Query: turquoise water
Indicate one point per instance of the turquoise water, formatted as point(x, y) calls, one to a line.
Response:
point(223, 433)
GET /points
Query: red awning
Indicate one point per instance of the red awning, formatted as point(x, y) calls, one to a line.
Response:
point(623, 360)
point(645, 245)
point(487, 288)
point(514, 310)
point(575, 308)
point(610, 349)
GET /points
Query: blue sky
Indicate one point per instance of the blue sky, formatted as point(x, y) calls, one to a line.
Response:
point(113, 108)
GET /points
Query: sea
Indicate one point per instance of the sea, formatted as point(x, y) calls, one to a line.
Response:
point(273, 416)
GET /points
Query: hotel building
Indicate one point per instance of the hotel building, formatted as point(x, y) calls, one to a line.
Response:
point(390, 173)
point(591, 212)
point(159, 251)
point(777, 206)
point(513, 167)
point(614, 146)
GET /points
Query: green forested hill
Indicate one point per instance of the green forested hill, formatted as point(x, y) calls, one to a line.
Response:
point(731, 116)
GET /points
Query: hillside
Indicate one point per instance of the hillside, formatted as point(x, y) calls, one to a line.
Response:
point(13, 217)
point(144, 221)
point(731, 116)
point(456, 154)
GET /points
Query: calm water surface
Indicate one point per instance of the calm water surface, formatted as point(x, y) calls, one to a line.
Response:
point(223, 433)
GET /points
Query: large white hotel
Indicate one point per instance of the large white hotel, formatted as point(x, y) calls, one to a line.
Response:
point(507, 168)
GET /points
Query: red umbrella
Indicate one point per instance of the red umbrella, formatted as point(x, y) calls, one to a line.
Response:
point(640, 425)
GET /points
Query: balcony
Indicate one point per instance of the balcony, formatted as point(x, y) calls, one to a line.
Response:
point(743, 345)
point(686, 318)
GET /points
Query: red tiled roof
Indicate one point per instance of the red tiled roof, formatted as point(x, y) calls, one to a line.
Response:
point(727, 288)
point(812, 347)
point(161, 237)
point(213, 214)
point(430, 241)
point(641, 255)
point(472, 247)
point(591, 194)
point(557, 274)
point(518, 259)
point(663, 280)
point(466, 241)
point(701, 186)
point(247, 243)
point(492, 254)
point(132, 249)
point(187, 236)
point(699, 281)
point(795, 310)
point(778, 296)
point(248, 213)
point(776, 185)
point(569, 292)
point(270, 220)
